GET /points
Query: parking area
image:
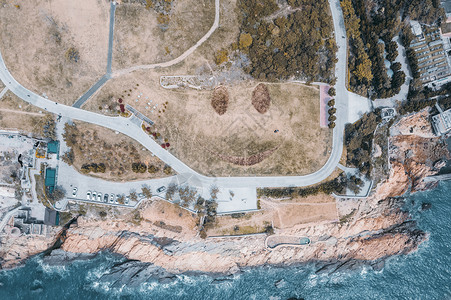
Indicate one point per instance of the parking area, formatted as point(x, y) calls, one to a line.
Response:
point(95, 190)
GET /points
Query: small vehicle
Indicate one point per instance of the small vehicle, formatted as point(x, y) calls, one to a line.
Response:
point(99, 197)
point(105, 198)
point(127, 200)
point(161, 189)
point(94, 196)
point(112, 198)
point(74, 192)
point(88, 195)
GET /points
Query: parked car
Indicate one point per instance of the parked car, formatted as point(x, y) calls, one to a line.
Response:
point(161, 189)
point(112, 198)
point(94, 196)
point(105, 198)
point(127, 200)
point(99, 197)
point(74, 192)
point(88, 195)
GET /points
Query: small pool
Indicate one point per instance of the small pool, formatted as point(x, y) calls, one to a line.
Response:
point(304, 241)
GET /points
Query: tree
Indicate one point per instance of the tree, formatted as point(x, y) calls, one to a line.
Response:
point(363, 69)
point(57, 194)
point(147, 191)
point(331, 102)
point(332, 92)
point(120, 199)
point(332, 118)
point(245, 40)
point(152, 169)
point(214, 190)
point(167, 170)
point(332, 110)
point(395, 66)
point(133, 196)
point(221, 57)
point(332, 125)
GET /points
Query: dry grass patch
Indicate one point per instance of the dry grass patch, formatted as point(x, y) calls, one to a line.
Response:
point(61, 54)
point(239, 224)
point(146, 36)
point(260, 98)
point(215, 144)
point(220, 99)
point(93, 144)
point(168, 216)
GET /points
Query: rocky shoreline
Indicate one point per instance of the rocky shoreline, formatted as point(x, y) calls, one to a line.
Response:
point(375, 229)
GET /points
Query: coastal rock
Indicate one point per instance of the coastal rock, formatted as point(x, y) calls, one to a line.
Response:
point(426, 206)
point(135, 273)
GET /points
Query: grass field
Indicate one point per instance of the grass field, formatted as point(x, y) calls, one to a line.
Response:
point(45, 31)
point(141, 38)
point(208, 142)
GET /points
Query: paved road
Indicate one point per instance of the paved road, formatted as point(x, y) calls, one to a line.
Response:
point(3, 92)
point(91, 91)
point(107, 76)
point(130, 129)
point(110, 37)
point(181, 57)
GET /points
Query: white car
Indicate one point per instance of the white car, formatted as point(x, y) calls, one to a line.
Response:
point(112, 198)
point(74, 192)
point(88, 195)
point(94, 196)
point(127, 200)
point(99, 197)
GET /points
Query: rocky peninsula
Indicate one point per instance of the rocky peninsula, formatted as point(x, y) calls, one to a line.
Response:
point(161, 239)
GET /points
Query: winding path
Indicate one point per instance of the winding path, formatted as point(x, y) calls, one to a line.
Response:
point(182, 56)
point(125, 126)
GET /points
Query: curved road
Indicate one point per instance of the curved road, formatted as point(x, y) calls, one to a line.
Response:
point(134, 131)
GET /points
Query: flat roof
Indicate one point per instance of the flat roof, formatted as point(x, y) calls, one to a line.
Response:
point(52, 147)
point(416, 28)
point(50, 178)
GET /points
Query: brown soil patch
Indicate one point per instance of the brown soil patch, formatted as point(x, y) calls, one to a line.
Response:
point(220, 99)
point(247, 161)
point(261, 99)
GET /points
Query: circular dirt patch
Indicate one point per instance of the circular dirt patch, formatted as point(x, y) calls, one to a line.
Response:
point(220, 99)
point(260, 98)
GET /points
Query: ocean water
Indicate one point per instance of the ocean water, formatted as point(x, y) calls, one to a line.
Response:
point(425, 274)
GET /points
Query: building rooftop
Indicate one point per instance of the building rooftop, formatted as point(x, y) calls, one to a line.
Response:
point(50, 178)
point(52, 147)
point(416, 28)
point(442, 122)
